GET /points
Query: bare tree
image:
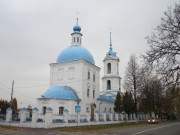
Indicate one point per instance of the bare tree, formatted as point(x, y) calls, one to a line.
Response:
point(151, 92)
point(164, 52)
point(131, 79)
point(177, 103)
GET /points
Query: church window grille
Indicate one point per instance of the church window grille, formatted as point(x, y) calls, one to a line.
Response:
point(61, 110)
point(87, 92)
point(109, 68)
point(108, 85)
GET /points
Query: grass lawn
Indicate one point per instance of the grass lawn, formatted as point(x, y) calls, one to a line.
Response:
point(2, 128)
point(98, 127)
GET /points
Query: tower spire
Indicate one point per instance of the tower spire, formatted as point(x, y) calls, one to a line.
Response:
point(110, 48)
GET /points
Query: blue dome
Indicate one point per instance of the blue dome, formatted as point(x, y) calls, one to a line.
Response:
point(75, 53)
point(76, 28)
point(61, 92)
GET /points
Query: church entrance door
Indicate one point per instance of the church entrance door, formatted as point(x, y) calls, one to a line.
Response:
point(92, 112)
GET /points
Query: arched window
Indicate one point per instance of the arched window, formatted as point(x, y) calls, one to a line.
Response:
point(61, 110)
point(87, 92)
point(93, 93)
point(94, 77)
point(88, 75)
point(109, 68)
point(44, 110)
point(108, 85)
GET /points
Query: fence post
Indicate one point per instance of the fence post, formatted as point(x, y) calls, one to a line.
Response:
point(34, 117)
point(104, 116)
point(23, 115)
point(9, 114)
point(66, 116)
point(97, 116)
point(88, 115)
point(116, 116)
point(48, 117)
point(111, 117)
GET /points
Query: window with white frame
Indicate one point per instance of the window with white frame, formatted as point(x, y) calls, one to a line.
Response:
point(109, 68)
point(108, 85)
point(61, 110)
point(94, 77)
point(88, 75)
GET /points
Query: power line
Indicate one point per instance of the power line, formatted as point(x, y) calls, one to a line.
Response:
point(32, 86)
point(16, 91)
point(5, 90)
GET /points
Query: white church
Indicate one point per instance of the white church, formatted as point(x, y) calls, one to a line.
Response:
point(75, 81)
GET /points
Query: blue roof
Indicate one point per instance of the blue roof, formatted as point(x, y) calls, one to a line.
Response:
point(75, 53)
point(23, 109)
point(65, 110)
point(112, 53)
point(106, 98)
point(35, 109)
point(61, 92)
point(49, 109)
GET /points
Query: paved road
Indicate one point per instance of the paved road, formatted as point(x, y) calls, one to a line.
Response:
point(172, 128)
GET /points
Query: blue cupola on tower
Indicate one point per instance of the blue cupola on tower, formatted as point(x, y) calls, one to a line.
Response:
point(75, 51)
point(77, 28)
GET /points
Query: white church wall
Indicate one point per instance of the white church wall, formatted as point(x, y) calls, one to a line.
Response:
point(55, 104)
point(114, 66)
point(72, 78)
point(108, 106)
point(91, 84)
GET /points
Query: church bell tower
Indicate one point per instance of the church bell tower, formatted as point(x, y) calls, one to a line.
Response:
point(111, 81)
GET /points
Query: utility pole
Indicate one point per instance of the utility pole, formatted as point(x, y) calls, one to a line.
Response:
point(12, 103)
point(12, 90)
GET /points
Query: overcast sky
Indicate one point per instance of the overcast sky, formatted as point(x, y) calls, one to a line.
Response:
point(34, 32)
